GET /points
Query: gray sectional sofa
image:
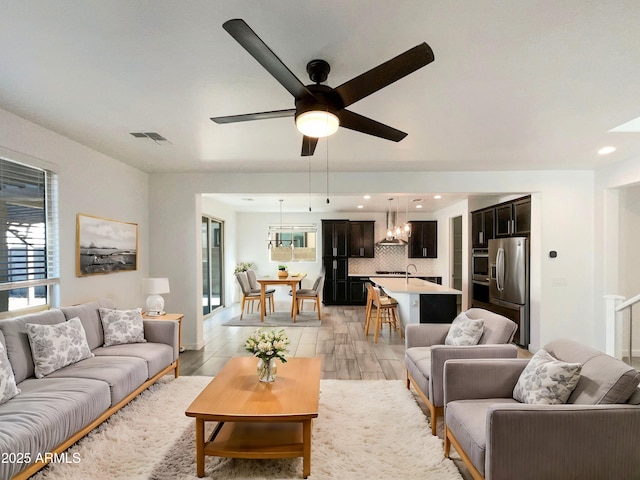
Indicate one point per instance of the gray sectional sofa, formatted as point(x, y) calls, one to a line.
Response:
point(53, 412)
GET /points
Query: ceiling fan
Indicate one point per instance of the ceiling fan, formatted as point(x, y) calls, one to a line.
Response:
point(319, 105)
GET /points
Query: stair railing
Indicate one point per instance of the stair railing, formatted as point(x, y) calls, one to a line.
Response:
point(614, 308)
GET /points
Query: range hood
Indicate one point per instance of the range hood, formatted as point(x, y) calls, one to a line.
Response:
point(391, 241)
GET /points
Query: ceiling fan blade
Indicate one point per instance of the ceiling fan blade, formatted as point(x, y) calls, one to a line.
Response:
point(309, 145)
point(246, 37)
point(255, 116)
point(385, 74)
point(359, 123)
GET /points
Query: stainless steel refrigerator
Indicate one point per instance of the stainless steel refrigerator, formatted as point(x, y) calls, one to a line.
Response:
point(509, 282)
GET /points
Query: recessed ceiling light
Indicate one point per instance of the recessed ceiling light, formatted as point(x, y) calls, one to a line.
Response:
point(418, 206)
point(360, 206)
point(367, 197)
point(437, 197)
point(606, 150)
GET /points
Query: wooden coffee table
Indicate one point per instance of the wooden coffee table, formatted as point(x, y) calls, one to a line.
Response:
point(258, 420)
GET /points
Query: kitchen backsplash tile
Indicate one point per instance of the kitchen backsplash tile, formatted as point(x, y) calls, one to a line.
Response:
point(390, 259)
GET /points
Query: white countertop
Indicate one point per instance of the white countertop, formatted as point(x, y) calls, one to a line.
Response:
point(414, 286)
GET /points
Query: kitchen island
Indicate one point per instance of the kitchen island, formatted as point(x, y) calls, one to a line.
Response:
point(420, 301)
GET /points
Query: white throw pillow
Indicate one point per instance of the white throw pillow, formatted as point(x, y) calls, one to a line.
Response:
point(56, 346)
point(464, 331)
point(8, 388)
point(122, 326)
point(546, 380)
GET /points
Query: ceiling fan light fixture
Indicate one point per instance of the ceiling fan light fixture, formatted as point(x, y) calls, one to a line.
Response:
point(317, 123)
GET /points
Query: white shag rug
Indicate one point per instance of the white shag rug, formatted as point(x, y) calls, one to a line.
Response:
point(366, 429)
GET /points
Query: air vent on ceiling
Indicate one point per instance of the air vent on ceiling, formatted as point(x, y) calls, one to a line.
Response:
point(156, 137)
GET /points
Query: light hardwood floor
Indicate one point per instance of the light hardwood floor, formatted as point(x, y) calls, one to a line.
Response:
point(340, 341)
point(346, 353)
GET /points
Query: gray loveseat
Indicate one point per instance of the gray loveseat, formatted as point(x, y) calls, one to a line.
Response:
point(52, 413)
point(593, 436)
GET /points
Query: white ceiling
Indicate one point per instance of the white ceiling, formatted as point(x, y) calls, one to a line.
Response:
point(399, 203)
point(514, 85)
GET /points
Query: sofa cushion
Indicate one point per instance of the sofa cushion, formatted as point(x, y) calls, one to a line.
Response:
point(47, 412)
point(546, 380)
point(122, 326)
point(467, 420)
point(90, 318)
point(417, 360)
point(122, 374)
point(464, 331)
point(8, 388)
point(17, 342)
point(56, 346)
point(157, 355)
point(603, 379)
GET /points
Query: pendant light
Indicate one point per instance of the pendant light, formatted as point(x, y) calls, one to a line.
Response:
point(278, 239)
point(407, 226)
point(280, 244)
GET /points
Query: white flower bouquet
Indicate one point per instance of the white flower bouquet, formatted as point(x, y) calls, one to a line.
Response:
point(268, 344)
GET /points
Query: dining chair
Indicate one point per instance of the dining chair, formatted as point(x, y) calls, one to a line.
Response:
point(254, 284)
point(386, 312)
point(248, 295)
point(311, 294)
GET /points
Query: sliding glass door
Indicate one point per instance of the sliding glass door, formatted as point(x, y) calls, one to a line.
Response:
point(212, 266)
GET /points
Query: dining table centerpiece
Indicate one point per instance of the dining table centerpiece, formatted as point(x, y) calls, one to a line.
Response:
point(282, 271)
point(268, 346)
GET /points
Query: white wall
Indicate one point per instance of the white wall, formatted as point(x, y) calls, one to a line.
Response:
point(629, 262)
point(442, 263)
point(89, 183)
point(614, 243)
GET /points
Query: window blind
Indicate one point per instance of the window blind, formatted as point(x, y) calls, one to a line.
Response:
point(28, 226)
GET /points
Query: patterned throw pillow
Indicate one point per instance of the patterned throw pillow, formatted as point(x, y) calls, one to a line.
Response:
point(8, 388)
point(56, 346)
point(464, 331)
point(547, 380)
point(122, 326)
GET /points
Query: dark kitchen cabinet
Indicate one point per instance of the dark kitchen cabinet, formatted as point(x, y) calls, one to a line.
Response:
point(335, 242)
point(358, 290)
point(513, 218)
point(361, 239)
point(336, 281)
point(436, 308)
point(423, 242)
point(335, 236)
point(482, 227)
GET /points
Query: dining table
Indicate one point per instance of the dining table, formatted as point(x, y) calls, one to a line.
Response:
point(292, 280)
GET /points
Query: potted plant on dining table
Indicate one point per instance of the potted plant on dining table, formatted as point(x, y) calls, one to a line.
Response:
point(282, 271)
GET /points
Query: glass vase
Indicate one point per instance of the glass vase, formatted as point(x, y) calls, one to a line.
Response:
point(267, 370)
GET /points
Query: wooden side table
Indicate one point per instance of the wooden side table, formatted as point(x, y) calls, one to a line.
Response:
point(176, 317)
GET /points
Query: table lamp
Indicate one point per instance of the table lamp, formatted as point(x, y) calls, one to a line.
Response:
point(154, 287)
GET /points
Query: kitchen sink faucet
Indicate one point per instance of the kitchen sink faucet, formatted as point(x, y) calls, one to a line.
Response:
point(406, 272)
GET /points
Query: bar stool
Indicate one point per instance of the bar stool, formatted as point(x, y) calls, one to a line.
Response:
point(386, 312)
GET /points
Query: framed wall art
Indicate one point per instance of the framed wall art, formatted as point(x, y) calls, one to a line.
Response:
point(105, 246)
